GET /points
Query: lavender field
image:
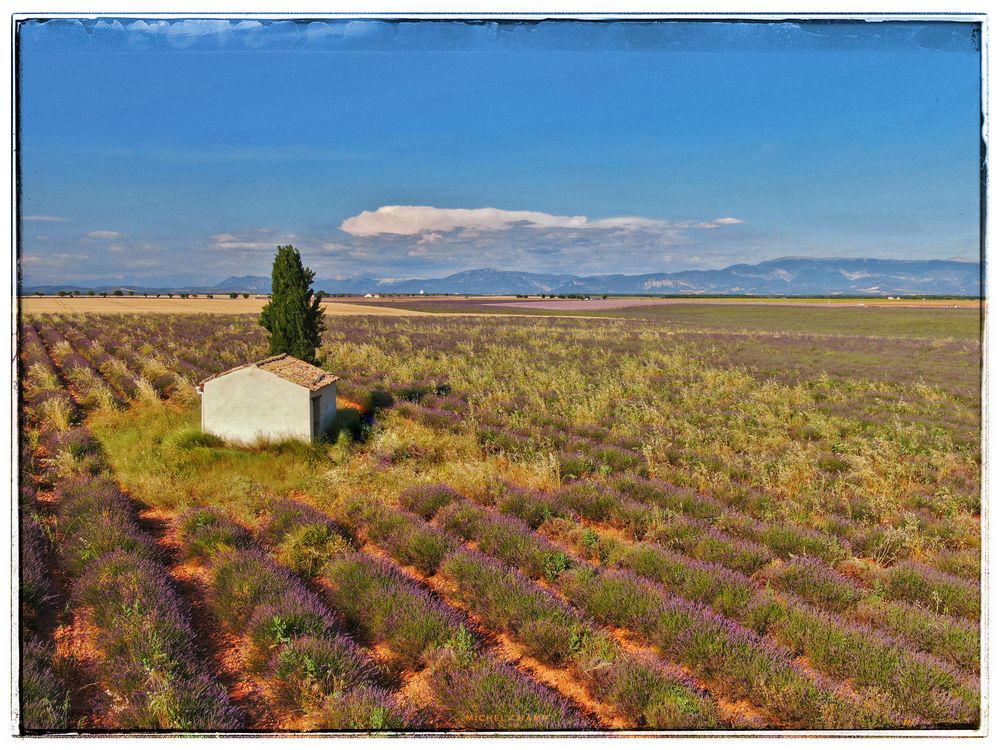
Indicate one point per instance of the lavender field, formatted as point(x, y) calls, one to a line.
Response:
point(522, 523)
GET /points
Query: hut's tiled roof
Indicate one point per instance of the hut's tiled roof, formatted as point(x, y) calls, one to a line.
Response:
point(288, 368)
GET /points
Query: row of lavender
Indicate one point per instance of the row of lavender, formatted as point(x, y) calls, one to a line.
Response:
point(299, 590)
point(46, 408)
point(644, 691)
point(123, 604)
point(899, 597)
point(548, 597)
point(658, 591)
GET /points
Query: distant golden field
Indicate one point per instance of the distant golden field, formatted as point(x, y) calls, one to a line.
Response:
point(143, 305)
point(392, 306)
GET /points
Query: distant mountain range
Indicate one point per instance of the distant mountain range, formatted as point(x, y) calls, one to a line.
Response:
point(795, 276)
point(784, 276)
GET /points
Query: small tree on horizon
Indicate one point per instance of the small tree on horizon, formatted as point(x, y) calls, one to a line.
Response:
point(293, 316)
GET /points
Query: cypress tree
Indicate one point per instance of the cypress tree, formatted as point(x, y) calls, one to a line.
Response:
point(293, 316)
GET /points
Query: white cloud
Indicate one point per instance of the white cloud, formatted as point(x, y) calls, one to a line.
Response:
point(263, 238)
point(430, 238)
point(422, 220)
point(43, 217)
point(628, 223)
point(201, 26)
point(104, 234)
point(322, 30)
point(103, 25)
point(429, 222)
point(423, 241)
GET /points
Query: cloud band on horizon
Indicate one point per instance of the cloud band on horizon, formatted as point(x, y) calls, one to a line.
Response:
point(429, 221)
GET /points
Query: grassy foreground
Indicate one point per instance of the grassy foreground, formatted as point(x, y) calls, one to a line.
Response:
point(159, 454)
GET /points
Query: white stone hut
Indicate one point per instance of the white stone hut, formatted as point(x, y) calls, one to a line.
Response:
point(275, 398)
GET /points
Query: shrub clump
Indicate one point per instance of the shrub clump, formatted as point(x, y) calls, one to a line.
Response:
point(427, 499)
point(205, 532)
point(366, 708)
point(281, 517)
point(383, 606)
point(44, 698)
point(310, 668)
point(306, 549)
point(480, 694)
point(650, 697)
point(95, 519)
point(534, 508)
point(194, 438)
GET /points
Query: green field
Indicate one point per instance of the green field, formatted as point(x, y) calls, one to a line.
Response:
point(804, 316)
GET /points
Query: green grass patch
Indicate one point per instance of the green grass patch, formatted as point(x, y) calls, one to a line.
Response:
point(931, 322)
point(159, 452)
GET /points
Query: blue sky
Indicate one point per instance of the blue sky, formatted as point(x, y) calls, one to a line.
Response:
point(185, 151)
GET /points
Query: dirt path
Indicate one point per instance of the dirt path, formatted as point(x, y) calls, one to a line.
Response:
point(218, 650)
point(73, 640)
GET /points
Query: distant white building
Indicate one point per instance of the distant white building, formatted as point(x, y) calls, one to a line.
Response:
point(275, 398)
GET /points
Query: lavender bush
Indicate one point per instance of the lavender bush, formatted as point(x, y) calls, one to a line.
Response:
point(480, 694)
point(95, 519)
point(44, 698)
point(308, 668)
point(426, 499)
point(205, 532)
point(384, 607)
point(147, 646)
point(367, 709)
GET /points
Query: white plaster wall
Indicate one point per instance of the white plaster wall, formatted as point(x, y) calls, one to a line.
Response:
point(251, 403)
point(327, 407)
